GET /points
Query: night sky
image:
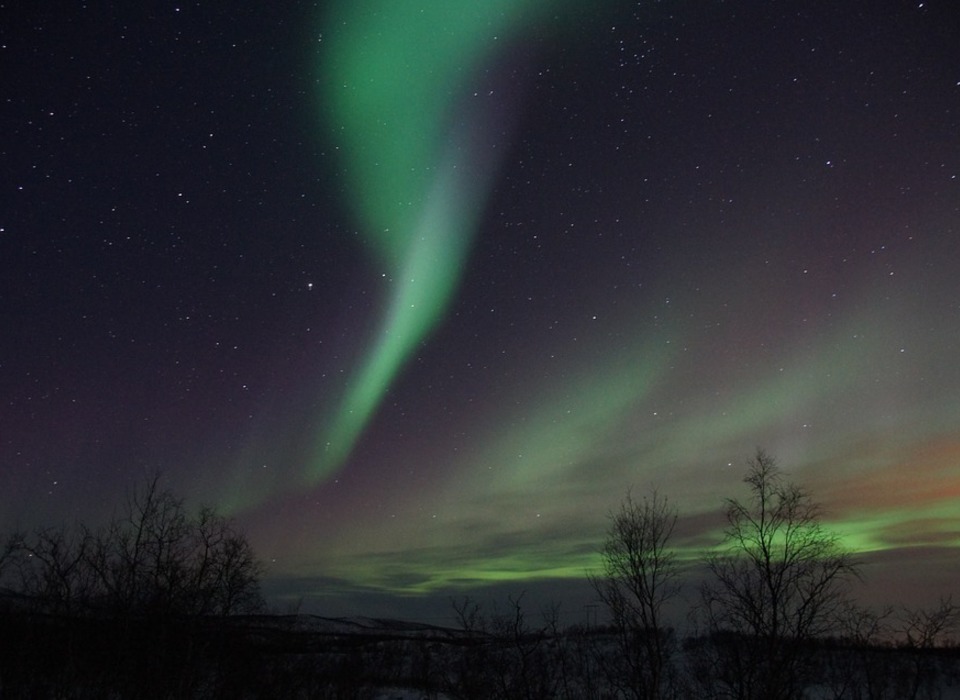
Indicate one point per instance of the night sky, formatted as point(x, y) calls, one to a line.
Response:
point(416, 290)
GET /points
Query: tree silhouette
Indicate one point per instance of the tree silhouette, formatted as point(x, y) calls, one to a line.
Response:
point(777, 582)
point(135, 608)
point(639, 577)
point(155, 558)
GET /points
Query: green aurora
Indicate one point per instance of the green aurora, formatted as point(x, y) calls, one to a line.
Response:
point(397, 104)
point(417, 290)
point(415, 162)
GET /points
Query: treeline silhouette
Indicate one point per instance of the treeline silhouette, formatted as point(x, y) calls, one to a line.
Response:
point(132, 609)
point(161, 603)
point(775, 617)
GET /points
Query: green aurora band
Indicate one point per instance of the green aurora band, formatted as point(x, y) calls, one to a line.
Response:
point(416, 164)
point(530, 502)
point(527, 498)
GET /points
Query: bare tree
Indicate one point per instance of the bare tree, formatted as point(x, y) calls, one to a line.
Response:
point(9, 552)
point(54, 571)
point(125, 610)
point(926, 628)
point(923, 631)
point(858, 665)
point(222, 570)
point(638, 578)
point(469, 674)
point(140, 556)
point(778, 582)
point(155, 558)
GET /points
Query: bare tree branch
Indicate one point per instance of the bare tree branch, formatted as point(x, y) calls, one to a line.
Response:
point(638, 578)
point(778, 581)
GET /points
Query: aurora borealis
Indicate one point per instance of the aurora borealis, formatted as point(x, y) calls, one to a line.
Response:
point(416, 291)
point(421, 142)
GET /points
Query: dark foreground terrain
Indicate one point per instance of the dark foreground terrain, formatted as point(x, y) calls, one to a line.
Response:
point(303, 656)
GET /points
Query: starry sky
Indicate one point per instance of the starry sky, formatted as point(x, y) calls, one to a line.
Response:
point(416, 291)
